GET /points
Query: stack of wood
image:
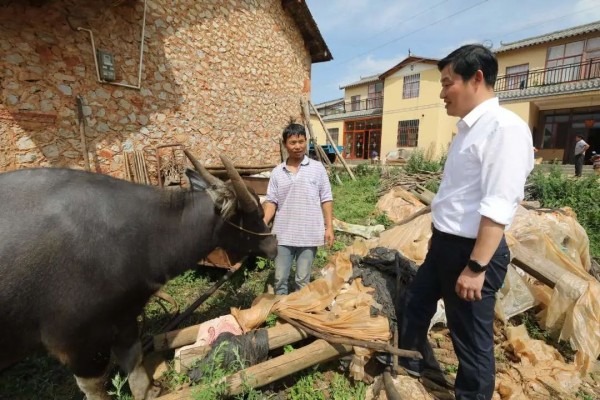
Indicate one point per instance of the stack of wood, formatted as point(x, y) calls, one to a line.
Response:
point(405, 180)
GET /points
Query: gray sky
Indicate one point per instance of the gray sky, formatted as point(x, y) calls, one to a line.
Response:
point(367, 37)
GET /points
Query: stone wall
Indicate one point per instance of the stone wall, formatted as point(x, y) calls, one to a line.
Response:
point(219, 76)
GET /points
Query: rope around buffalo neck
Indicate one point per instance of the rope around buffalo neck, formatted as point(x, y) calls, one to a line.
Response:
point(247, 231)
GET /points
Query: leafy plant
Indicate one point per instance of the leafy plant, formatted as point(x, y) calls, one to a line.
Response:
point(262, 263)
point(342, 389)
point(288, 348)
point(270, 320)
point(451, 369)
point(556, 189)
point(306, 389)
point(119, 389)
point(384, 220)
point(419, 163)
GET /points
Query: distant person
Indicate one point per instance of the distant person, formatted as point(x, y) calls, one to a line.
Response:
point(595, 159)
point(483, 183)
point(299, 197)
point(580, 148)
point(374, 156)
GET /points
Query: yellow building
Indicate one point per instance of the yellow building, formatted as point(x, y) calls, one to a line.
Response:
point(552, 81)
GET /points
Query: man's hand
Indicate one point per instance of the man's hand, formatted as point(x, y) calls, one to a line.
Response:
point(469, 284)
point(329, 236)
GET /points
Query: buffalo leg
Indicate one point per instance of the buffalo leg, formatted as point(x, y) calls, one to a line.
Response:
point(86, 352)
point(93, 388)
point(128, 351)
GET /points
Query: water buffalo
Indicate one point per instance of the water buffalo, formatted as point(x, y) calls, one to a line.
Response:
point(81, 253)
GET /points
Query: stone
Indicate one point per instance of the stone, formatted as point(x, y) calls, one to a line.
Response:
point(26, 158)
point(65, 89)
point(50, 151)
point(25, 143)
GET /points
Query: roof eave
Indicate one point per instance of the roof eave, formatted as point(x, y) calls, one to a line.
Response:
point(298, 9)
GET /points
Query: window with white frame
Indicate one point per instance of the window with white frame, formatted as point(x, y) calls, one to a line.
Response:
point(408, 133)
point(334, 133)
point(355, 103)
point(375, 99)
point(516, 76)
point(410, 88)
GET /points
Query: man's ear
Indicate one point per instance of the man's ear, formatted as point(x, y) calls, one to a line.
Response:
point(196, 181)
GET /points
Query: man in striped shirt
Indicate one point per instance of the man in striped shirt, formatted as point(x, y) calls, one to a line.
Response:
point(299, 197)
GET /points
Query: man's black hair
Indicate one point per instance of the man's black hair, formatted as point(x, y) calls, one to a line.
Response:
point(293, 129)
point(466, 60)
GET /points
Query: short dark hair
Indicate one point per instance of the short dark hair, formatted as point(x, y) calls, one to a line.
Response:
point(293, 129)
point(467, 59)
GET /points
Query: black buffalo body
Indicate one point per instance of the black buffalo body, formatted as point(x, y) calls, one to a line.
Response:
point(81, 253)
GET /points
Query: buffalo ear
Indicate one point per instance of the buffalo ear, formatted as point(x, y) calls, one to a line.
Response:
point(196, 180)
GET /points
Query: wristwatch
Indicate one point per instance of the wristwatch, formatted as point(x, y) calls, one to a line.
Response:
point(476, 267)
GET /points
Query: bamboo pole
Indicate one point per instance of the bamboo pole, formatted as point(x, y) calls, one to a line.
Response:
point(339, 156)
point(276, 368)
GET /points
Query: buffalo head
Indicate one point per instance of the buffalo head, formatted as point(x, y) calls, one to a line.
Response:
point(244, 231)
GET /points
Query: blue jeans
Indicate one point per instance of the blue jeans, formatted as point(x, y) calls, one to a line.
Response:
point(283, 264)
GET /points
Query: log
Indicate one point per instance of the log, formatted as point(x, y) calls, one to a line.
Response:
point(182, 337)
point(276, 368)
point(278, 336)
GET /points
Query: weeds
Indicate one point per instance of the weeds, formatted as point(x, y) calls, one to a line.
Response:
point(419, 163)
point(119, 389)
point(556, 189)
point(354, 201)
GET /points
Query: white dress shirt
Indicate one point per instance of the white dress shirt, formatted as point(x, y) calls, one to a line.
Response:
point(485, 172)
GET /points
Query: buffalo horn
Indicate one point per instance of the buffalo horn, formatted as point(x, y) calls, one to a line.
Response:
point(212, 180)
point(244, 196)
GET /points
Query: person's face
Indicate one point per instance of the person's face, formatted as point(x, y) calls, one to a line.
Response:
point(296, 146)
point(458, 95)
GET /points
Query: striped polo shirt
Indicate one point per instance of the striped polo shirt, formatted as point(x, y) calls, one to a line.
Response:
point(298, 197)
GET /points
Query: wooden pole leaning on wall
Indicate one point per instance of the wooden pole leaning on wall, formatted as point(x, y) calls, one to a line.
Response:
point(337, 153)
point(321, 156)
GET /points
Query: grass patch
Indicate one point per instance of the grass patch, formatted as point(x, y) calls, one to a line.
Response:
point(355, 200)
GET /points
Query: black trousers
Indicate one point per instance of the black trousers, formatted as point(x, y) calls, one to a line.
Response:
point(470, 323)
point(578, 164)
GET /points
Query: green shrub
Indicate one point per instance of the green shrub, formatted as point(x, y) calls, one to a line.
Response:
point(419, 163)
point(555, 189)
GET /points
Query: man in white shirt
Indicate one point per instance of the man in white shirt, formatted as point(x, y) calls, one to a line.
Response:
point(483, 183)
point(580, 148)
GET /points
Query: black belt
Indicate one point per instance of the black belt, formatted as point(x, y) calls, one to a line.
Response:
point(451, 237)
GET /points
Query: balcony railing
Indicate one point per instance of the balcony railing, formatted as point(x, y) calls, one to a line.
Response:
point(589, 69)
point(361, 105)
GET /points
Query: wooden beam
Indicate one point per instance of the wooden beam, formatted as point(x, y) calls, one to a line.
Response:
point(276, 368)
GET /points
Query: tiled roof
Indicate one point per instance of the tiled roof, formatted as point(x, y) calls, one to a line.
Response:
point(412, 59)
point(329, 103)
point(551, 90)
point(549, 37)
point(366, 79)
point(353, 114)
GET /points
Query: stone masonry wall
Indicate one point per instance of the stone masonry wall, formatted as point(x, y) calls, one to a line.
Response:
point(219, 76)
